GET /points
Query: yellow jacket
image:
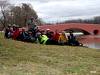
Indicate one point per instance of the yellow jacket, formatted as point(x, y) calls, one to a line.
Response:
point(62, 38)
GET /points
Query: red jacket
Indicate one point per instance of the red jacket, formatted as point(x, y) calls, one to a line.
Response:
point(56, 36)
point(16, 34)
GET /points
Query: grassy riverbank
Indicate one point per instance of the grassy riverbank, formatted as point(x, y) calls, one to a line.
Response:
point(19, 58)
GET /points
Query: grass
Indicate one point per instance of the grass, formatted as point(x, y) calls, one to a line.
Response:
point(19, 58)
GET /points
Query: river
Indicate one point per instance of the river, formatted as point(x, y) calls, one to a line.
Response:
point(90, 41)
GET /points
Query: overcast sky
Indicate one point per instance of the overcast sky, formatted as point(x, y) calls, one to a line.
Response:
point(59, 10)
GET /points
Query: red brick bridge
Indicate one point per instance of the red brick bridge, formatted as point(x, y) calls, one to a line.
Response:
point(92, 29)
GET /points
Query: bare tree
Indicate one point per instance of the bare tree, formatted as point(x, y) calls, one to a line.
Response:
point(29, 12)
point(21, 15)
point(3, 8)
point(18, 15)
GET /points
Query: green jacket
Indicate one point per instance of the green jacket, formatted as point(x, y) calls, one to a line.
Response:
point(43, 39)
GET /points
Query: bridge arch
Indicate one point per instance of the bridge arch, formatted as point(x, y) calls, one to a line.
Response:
point(77, 30)
point(92, 29)
point(96, 32)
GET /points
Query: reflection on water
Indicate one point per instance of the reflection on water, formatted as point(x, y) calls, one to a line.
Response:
point(93, 45)
point(90, 41)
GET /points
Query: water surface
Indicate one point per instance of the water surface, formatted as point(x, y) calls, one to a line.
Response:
point(90, 41)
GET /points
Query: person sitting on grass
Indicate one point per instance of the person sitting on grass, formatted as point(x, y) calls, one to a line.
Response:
point(43, 38)
point(62, 39)
point(72, 40)
point(8, 32)
point(56, 36)
point(16, 33)
point(23, 35)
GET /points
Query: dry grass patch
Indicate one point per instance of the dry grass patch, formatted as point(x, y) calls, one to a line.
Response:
point(20, 58)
